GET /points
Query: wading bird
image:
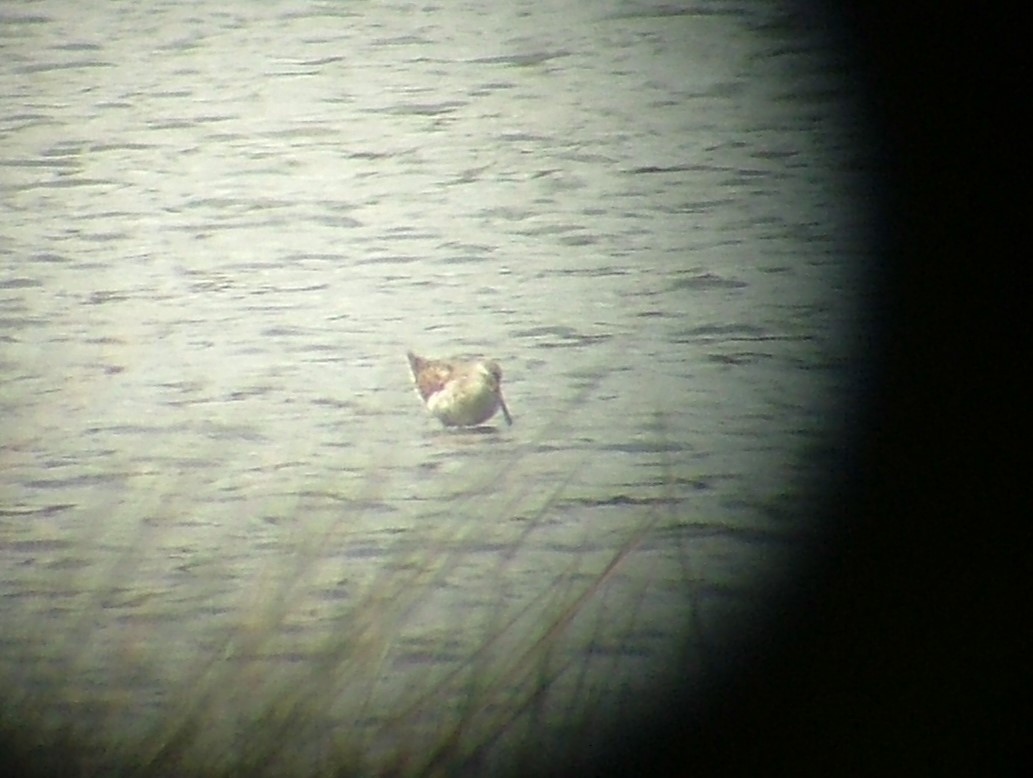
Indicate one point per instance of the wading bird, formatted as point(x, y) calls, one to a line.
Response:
point(459, 394)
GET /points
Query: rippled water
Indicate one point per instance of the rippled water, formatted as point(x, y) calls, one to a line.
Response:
point(224, 516)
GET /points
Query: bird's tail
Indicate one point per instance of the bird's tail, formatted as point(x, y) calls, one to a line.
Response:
point(416, 363)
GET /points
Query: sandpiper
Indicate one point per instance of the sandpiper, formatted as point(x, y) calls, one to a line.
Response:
point(459, 394)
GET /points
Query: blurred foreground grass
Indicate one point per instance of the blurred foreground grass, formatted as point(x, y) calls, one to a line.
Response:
point(400, 680)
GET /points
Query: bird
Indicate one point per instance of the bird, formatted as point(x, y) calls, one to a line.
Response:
point(459, 394)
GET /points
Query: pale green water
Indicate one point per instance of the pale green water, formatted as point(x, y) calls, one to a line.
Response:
point(221, 229)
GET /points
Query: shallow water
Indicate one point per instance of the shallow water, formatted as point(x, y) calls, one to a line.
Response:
point(222, 225)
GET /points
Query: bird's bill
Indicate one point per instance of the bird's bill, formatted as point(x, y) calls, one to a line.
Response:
point(505, 411)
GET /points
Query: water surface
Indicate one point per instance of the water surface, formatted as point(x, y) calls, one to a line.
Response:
point(230, 535)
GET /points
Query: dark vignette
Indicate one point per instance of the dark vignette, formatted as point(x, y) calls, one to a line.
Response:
point(888, 654)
